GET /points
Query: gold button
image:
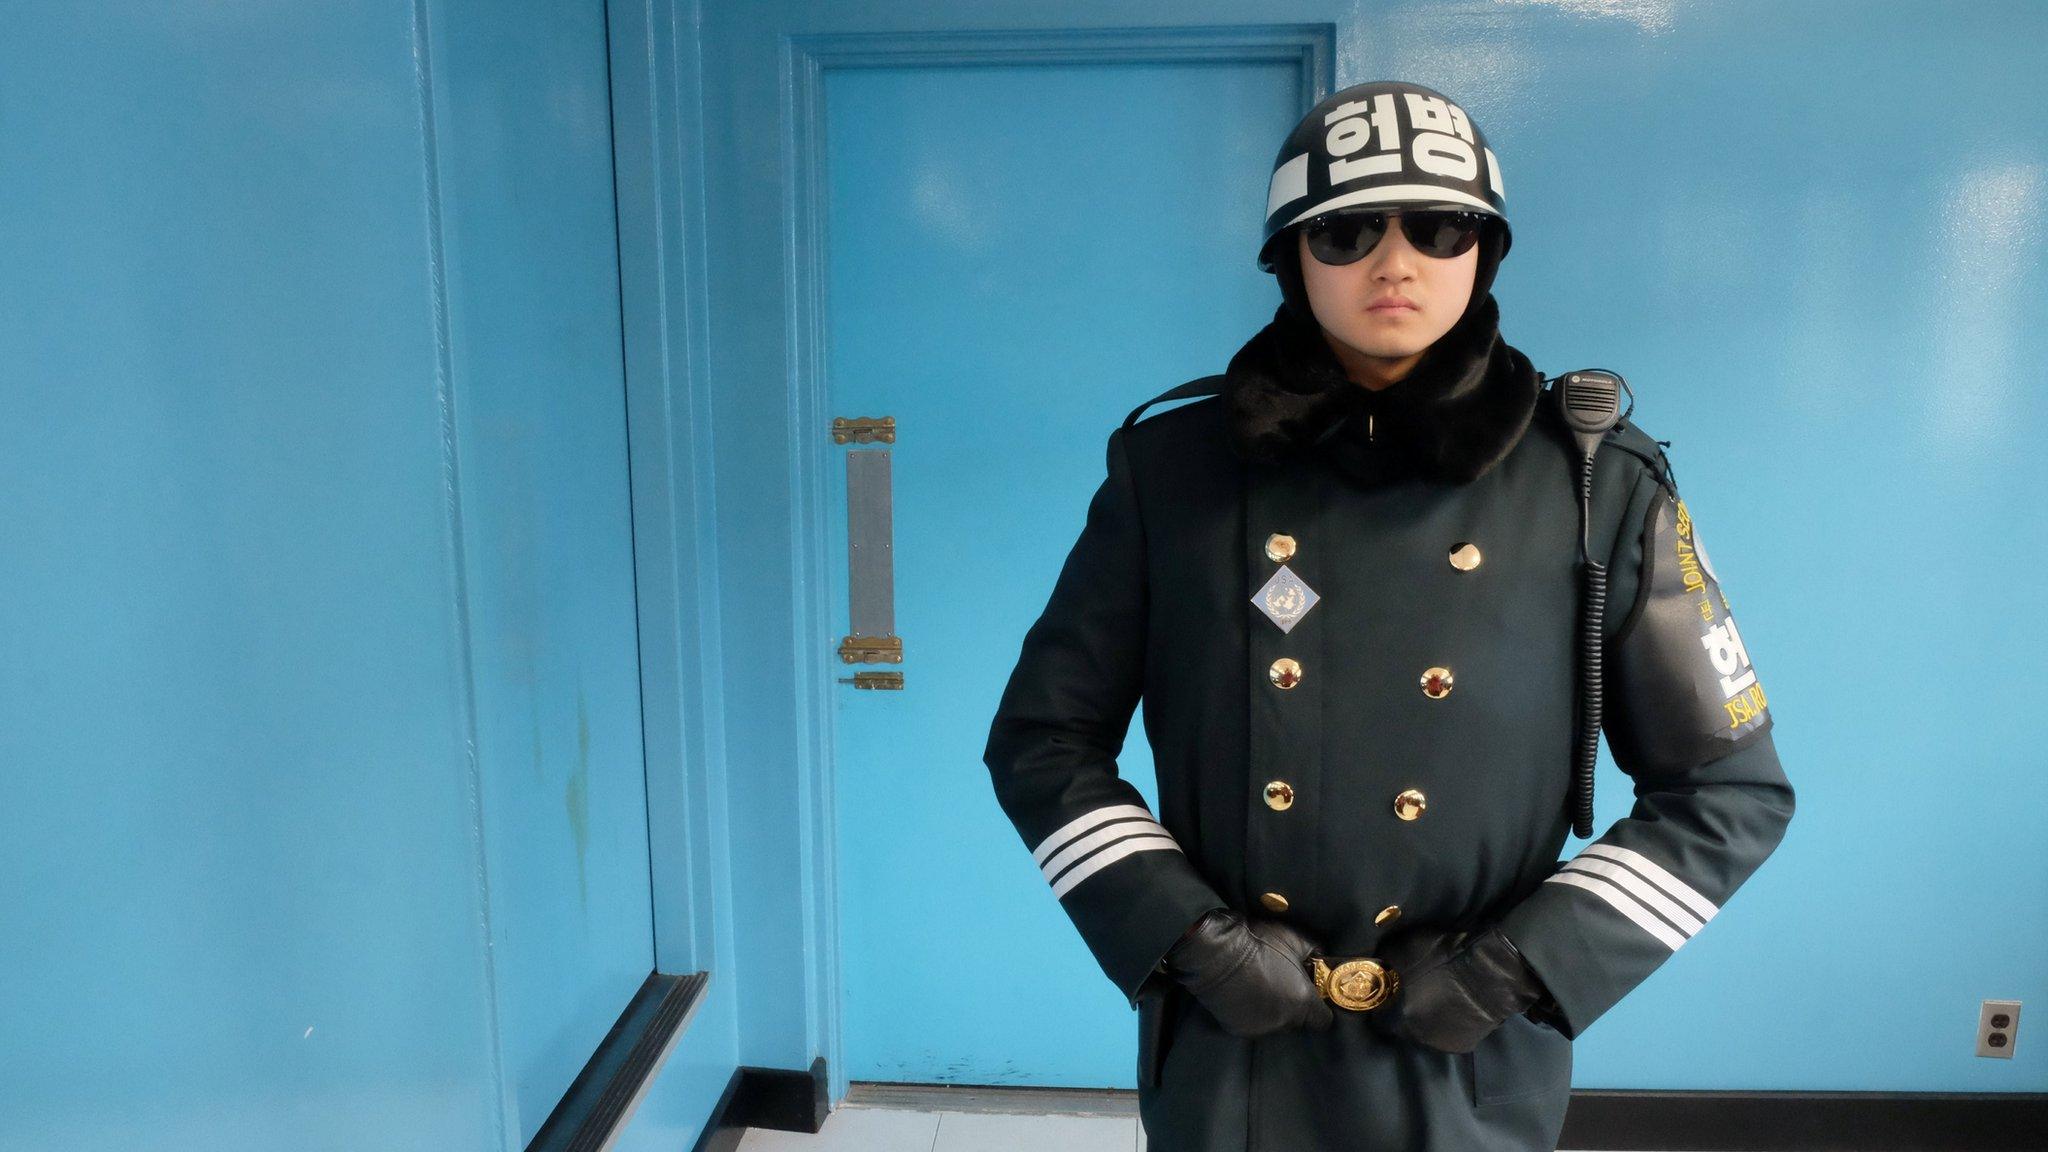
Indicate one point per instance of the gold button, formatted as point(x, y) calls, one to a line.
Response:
point(1274, 902)
point(1390, 912)
point(1279, 795)
point(1285, 672)
point(1279, 547)
point(1436, 683)
point(1409, 804)
point(1465, 556)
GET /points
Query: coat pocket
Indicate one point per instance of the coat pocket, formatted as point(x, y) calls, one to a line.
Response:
point(1155, 1009)
point(1519, 1059)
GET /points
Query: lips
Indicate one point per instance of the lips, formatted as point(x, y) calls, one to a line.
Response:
point(1390, 304)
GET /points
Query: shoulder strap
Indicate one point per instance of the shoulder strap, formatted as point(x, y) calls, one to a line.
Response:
point(1626, 436)
point(1631, 439)
point(1204, 386)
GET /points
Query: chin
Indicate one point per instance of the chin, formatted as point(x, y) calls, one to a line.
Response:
point(1375, 345)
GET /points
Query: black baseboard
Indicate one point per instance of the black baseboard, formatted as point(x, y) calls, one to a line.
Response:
point(605, 1094)
point(777, 1098)
point(717, 1136)
point(1646, 1121)
point(1598, 1120)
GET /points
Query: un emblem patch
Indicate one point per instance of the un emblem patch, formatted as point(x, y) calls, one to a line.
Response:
point(1285, 598)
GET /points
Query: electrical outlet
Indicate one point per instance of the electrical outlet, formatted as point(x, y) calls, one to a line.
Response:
point(1998, 1028)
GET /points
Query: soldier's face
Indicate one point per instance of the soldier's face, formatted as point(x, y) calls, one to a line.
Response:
point(1351, 300)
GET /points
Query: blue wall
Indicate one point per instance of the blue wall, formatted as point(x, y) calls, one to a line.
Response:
point(325, 820)
point(242, 896)
point(314, 481)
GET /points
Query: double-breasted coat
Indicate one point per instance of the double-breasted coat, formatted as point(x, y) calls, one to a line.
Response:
point(1360, 697)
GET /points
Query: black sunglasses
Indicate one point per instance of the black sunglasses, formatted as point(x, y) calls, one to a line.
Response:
point(1345, 237)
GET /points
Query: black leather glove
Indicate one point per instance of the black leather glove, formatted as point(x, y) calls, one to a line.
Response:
point(1456, 987)
point(1252, 977)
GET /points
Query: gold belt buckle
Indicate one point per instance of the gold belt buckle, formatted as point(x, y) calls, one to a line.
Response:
point(1360, 984)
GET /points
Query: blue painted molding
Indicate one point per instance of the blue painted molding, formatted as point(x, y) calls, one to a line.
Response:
point(664, 299)
point(1313, 46)
point(505, 1116)
point(664, 316)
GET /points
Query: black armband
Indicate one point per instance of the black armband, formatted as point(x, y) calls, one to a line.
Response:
point(1685, 692)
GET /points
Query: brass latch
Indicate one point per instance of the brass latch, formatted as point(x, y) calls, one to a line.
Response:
point(871, 650)
point(864, 429)
point(870, 572)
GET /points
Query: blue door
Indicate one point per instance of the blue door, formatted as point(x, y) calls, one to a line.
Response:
point(1019, 250)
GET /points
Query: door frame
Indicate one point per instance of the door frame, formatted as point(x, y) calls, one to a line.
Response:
point(805, 60)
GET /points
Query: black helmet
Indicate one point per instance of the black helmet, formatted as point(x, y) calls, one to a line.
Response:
point(1380, 145)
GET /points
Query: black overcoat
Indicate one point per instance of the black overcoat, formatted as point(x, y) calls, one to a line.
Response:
point(1390, 745)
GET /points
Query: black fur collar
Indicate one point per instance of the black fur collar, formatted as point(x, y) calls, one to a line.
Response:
point(1459, 412)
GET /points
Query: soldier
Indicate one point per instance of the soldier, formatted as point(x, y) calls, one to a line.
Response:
point(1358, 584)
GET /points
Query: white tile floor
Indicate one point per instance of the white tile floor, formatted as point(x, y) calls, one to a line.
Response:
point(860, 1128)
point(857, 1128)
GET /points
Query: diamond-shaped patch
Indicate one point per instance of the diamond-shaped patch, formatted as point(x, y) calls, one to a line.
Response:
point(1285, 598)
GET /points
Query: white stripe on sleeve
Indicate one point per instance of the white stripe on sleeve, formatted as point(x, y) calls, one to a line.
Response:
point(1084, 823)
point(1641, 889)
point(1108, 833)
point(1658, 875)
point(1110, 855)
point(1623, 903)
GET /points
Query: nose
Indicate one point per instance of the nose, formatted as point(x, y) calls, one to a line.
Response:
point(1394, 257)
